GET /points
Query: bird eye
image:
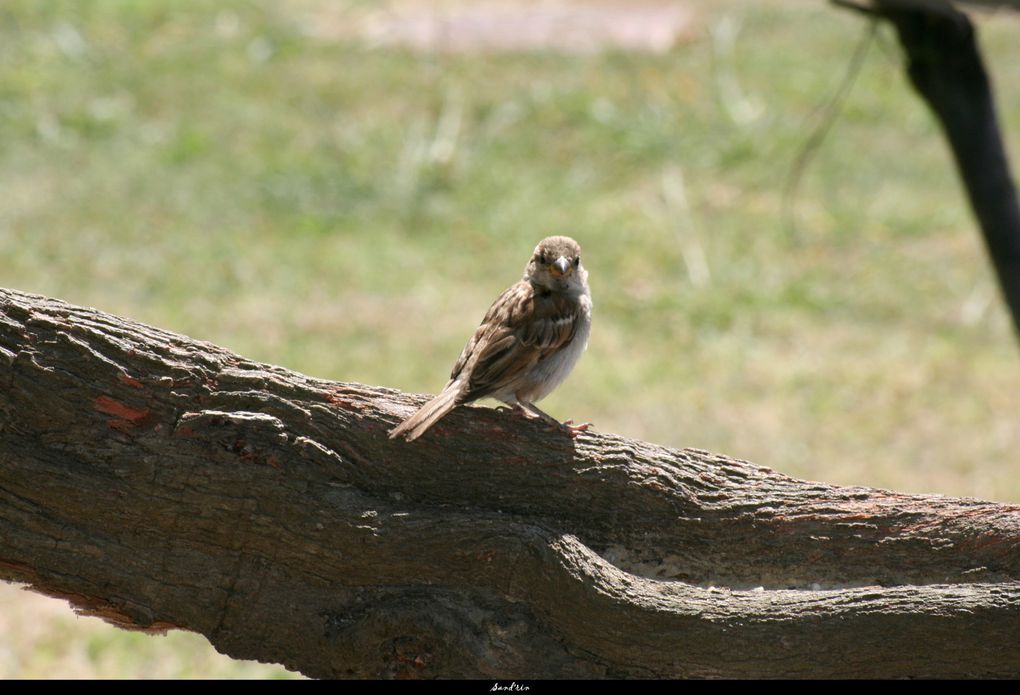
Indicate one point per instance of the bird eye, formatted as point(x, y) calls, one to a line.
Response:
point(541, 258)
point(577, 261)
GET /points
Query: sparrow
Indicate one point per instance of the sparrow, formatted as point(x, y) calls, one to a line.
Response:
point(529, 340)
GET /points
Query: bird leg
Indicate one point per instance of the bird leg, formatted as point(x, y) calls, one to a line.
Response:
point(534, 412)
point(569, 427)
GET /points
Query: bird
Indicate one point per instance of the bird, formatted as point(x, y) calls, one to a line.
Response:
point(527, 344)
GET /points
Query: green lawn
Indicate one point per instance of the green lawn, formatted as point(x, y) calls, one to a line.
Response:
point(349, 212)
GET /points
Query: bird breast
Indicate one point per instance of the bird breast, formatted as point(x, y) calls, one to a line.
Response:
point(550, 372)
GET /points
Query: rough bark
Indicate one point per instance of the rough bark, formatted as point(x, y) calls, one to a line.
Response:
point(160, 482)
point(945, 67)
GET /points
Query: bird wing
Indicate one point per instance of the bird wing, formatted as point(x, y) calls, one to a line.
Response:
point(522, 327)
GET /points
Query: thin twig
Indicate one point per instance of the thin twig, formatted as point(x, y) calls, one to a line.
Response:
point(830, 111)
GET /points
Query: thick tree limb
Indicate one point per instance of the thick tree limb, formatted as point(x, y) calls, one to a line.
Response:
point(945, 67)
point(160, 482)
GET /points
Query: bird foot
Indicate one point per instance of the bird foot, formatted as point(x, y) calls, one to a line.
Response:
point(573, 430)
point(524, 412)
point(553, 425)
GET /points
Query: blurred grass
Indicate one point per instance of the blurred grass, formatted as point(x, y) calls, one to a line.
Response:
point(220, 170)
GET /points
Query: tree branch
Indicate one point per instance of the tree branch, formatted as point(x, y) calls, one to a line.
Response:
point(945, 67)
point(160, 482)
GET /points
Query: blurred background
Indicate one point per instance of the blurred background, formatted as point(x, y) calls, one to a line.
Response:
point(342, 188)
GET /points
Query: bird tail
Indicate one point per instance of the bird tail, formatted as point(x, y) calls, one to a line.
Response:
point(428, 414)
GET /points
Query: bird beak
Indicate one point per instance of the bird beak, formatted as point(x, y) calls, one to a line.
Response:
point(561, 267)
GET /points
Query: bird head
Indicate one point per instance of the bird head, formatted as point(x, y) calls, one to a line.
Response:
point(556, 265)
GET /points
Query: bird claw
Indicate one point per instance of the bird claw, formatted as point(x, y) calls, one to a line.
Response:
point(573, 430)
point(525, 413)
